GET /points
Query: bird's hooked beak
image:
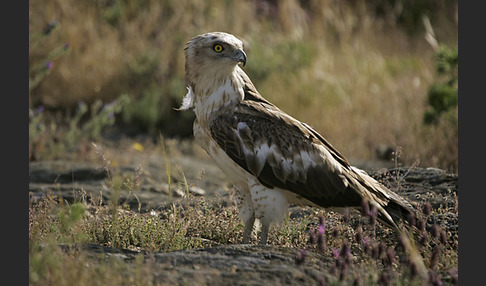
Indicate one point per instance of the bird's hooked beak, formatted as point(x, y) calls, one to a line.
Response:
point(240, 56)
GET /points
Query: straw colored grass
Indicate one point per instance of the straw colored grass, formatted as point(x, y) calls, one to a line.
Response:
point(358, 78)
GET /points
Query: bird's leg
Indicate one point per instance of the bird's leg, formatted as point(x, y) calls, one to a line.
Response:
point(248, 229)
point(264, 234)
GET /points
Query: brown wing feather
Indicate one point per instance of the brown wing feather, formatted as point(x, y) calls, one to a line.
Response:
point(269, 144)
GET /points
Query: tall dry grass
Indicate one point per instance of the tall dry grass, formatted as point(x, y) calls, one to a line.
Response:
point(359, 78)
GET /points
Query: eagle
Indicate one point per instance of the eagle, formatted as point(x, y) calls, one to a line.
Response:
point(273, 159)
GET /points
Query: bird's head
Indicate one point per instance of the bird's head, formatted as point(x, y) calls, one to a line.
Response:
point(213, 53)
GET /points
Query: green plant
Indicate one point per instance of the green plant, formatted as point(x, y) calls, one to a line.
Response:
point(47, 137)
point(350, 247)
point(338, 66)
point(440, 118)
point(442, 97)
point(41, 67)
point(101, 115)
point(41, 126)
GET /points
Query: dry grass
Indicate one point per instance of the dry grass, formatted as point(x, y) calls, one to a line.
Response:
point(358, 249)
point(359, 79)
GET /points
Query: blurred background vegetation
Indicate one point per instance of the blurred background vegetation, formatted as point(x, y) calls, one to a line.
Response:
point(365, 74)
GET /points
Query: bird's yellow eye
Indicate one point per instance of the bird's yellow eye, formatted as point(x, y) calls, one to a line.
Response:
point(218, 48)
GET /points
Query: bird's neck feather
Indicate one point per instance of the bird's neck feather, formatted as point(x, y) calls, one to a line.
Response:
point(216, 91)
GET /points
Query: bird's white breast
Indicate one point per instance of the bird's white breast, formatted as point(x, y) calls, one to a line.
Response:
point(223, 97)
point(268, 205)
point(206, 106)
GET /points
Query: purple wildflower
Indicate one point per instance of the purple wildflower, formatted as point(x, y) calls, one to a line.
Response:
point(49, 65)
point(39, 109)
point(48, 29)
point(321, 229)
point(335, 253)
point(321, 242)
point(109, 105)
point(366, 240)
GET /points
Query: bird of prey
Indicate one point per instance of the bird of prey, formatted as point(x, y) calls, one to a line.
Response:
point(272, 158)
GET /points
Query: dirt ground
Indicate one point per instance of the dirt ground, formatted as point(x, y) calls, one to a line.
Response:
point(224, 264)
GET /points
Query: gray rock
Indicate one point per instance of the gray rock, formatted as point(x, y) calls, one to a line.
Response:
point(227, 264)
point(64, 172)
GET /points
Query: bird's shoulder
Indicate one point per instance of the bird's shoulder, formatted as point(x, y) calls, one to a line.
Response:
point(256, 108)
point(255, 124)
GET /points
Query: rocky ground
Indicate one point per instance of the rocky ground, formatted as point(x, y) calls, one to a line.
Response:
point(224, 264)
